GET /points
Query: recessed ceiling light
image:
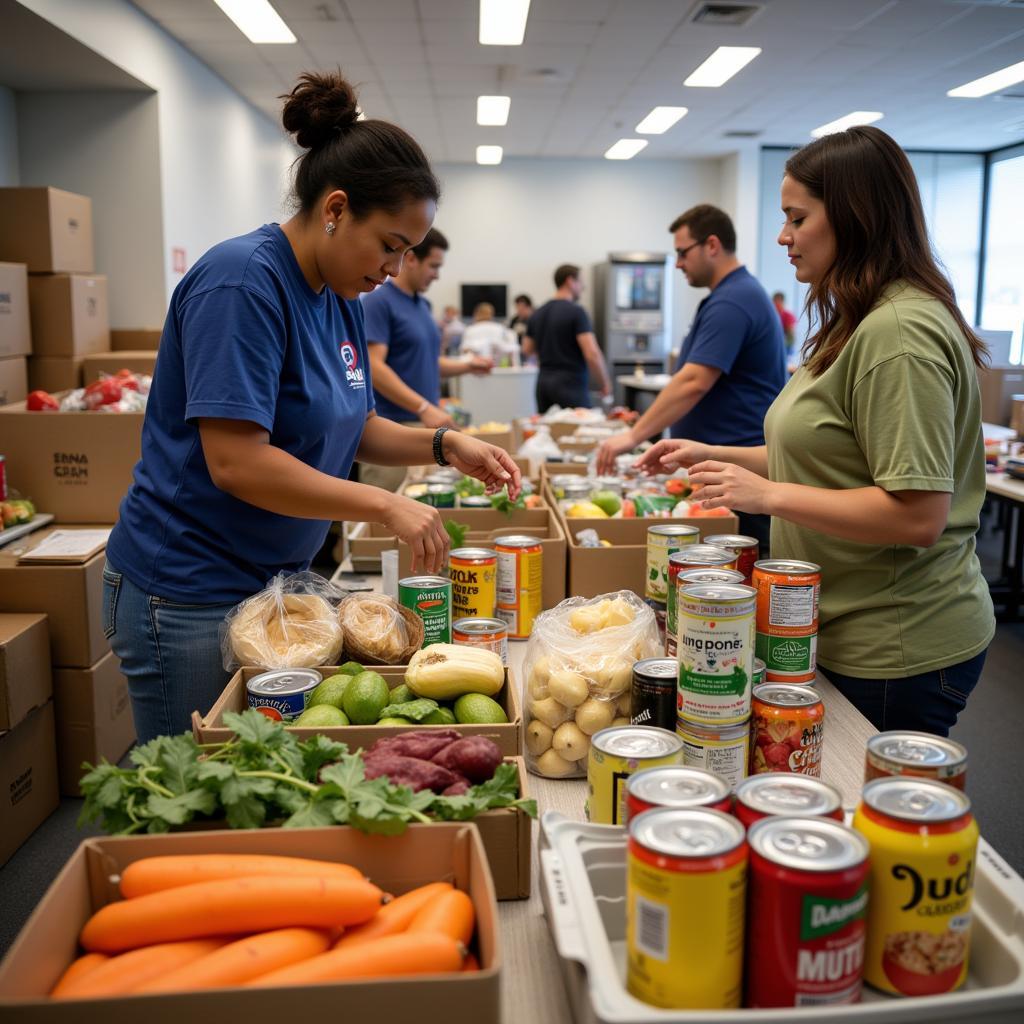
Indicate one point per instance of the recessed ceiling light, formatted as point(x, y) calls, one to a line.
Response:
point(503, 22)
point(488, 154)
point(721, 66)
point(660, 119)
point(257, 20)
point(625, 149)
point(990, 83)
point(492, 110)
point(840, 124)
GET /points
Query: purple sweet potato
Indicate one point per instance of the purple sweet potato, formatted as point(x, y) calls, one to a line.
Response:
point(409, 771)
point(457, 788)
point(475, 757)
point(423, 743)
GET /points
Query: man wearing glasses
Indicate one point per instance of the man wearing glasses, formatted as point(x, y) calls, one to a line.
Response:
point(732, 362)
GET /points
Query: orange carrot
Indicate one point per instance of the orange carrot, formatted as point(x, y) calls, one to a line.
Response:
point(77, 970)
point(395, 916)
point(125, 973)
point(154, 874)
point(392, 956)
point(471, 964)
point(243, 960)
point(450, 914)
point(229, 907)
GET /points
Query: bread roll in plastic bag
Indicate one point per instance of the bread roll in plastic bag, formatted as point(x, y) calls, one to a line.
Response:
point(578, 672)
point(291, 624)
point(378, 630)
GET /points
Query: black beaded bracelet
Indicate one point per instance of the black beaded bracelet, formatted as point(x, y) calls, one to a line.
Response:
point(438, 451)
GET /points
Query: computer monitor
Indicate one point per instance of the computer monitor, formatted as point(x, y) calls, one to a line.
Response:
point(638, 286)
point(999, 344)
point(495, 294)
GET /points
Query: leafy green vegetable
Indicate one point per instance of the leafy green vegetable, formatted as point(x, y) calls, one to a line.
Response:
point(265, 775)
point(469, 486)
point(501, 502)
point(415, 710)
point(457, 532)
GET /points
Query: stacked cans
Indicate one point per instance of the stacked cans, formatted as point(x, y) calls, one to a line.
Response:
point(663, 541)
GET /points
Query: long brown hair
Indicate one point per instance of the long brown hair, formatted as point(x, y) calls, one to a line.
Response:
point(874, 208)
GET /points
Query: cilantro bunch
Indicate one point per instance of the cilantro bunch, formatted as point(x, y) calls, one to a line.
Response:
point(267, 776)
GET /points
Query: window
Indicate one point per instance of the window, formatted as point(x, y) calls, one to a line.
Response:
point(1002, 300)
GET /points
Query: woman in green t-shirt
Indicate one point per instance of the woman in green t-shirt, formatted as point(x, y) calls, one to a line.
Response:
point(874, 463)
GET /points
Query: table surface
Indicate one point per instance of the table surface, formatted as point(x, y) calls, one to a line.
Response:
point(648, 382)
point(1005, 486)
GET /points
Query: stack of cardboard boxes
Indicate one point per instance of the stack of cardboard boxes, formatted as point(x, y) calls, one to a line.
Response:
point(15, 337)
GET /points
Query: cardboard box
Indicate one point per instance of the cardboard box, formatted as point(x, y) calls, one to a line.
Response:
point(76, 465)
point(137, 340)
point(424, 853)
point(25, 679)
point(70, 595)
point(15, 335)
point(70, 314)
point(13, 380)
point(998, 386)
point(28, 779)
point(47, 229)
point(500, 438)
point(94, 718)
point(54, 373)
point(108, 363)
point(1017, 415)
point(210, 728)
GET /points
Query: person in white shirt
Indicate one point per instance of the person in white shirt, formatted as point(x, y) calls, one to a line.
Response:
point(487, 338)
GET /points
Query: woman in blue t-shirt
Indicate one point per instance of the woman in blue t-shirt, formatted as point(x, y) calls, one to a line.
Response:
point(262, 400)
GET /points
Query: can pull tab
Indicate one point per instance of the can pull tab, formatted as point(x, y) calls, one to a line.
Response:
point(558, 905)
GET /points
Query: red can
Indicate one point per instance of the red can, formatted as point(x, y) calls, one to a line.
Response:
point(806, 913)
point(676, 785)
point(783, 794)
point(786, 728)
point(746, 549)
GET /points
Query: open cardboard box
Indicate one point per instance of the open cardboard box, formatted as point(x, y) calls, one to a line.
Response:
point(424, 853)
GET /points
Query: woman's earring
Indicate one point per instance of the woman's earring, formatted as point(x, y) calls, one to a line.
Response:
point(330, 228)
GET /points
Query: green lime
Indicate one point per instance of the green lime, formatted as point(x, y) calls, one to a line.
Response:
point(478, 709)
point(404, 722)
point(401, 694)
point(351, 668)
point(365, 698)
point(321, 716)
point(330, 691)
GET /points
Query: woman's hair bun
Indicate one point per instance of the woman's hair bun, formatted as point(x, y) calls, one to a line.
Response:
point(320, 107)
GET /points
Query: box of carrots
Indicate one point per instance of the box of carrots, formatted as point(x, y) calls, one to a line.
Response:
point(262, 926)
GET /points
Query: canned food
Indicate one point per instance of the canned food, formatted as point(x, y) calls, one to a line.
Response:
point(491, 634)
point(782, 794)
point(474, 501)
point(560, 481)
point(916, 754)
point(615, 754)
point(787, 618)
point(680, 576)
point(746, 549)
point(759, 671)
point(609, 483)
point(675, 785)
point(282, 694)
point(808, 899)
point(787, 724)
point(579, 490)
point(520, 582)
point(473, 573)
point(662, 541)
point(660, 618)
point(443, 475)
point(438, 495)
point(705, 557)
point(653, 693)
point(686, 881)
point(430, 597)
point(716, 652)
point(923, 849)
point(719, 749)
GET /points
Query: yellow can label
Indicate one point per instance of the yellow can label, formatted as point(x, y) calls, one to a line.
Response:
point(919, 914)
point(520, 595)
point(607, 775)
point(684, 935)
point(474, 588)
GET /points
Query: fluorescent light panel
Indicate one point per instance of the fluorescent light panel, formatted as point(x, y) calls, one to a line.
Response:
point(660, 119)
point(990, 83)
point(257, 20)
point(493, 110)
point(503, 22)
point(721, 66)
point(488, 154)
point(625, 149)
point(842, 123)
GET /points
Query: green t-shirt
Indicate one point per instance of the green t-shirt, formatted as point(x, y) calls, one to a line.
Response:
point(899, 409)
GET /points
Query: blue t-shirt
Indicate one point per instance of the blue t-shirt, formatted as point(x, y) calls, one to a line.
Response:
point(245, 338)
point(736, 330)
point(404, 323)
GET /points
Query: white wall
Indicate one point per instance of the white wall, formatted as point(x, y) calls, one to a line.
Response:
point(740, 197)
point(8, 139)
point(223, 163)
point(105, 145)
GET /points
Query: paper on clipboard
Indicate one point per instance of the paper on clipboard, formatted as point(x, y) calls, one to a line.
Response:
point(68, 546)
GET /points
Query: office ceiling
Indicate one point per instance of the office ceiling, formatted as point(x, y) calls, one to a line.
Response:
point(589, 70)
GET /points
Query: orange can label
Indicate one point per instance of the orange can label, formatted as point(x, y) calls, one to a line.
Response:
point(787, 619)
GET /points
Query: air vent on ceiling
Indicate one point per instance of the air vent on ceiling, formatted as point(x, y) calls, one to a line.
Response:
point(740, 134)
point(988, 3)
point(1009, 96)
point(717, 13)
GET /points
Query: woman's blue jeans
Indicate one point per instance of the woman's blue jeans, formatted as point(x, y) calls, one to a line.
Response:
point(929, 702)
point(170, 654)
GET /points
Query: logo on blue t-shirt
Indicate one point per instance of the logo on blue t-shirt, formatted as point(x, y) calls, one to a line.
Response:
point(353, 371)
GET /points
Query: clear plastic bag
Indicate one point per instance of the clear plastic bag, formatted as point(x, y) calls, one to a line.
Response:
point(292, 623)
point(378, 630)
point(578, 672)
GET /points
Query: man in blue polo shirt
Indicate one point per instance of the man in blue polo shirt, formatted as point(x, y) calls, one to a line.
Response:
point(732, 363)
point(405, 350)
